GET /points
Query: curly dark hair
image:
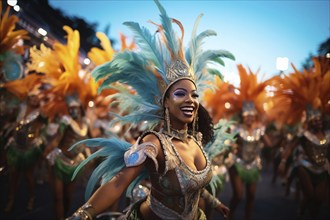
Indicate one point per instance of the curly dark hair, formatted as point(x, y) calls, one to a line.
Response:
point(204, 125)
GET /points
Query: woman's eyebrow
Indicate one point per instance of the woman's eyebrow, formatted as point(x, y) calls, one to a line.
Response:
point(180, 89)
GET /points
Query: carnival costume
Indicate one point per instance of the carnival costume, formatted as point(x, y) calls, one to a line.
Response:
point(25, 148)
point(64, 161)
point(25, 145)
point(247, 160)
point(247, 99)
point(305, 94)
point(150, 71)
point(11, 69)
point(61, 74)
point(311, 153)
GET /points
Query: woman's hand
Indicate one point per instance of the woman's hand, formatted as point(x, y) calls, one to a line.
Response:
point(224, 210)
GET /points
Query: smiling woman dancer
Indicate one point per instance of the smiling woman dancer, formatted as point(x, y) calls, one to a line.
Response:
point(165, 81)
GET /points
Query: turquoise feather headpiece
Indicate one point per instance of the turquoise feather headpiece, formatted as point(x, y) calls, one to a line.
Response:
point(159, 62)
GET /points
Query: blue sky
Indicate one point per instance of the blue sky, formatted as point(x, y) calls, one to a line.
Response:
point(256, 32)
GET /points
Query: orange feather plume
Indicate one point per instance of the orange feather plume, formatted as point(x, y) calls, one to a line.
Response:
point(9, 37)
point(295, 91)
point(227, 100)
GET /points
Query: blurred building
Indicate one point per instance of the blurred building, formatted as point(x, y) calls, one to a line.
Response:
point(45, 24)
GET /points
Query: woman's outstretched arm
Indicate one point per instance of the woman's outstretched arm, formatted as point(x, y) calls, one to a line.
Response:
point(107, 194)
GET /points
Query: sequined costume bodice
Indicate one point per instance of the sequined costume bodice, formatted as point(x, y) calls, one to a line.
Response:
point(175, 192)
point(251, 144)
point(314, 148)
point(27, 130)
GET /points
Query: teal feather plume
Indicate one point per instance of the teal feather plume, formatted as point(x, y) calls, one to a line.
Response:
point(220, 144)
point(216, 72)
point(222, 138)
point(194, 45)
point(199, 59)
point(112, 151)
point(219, 61)
point(136, 109)
point(206, 57)
point(132, 102)
point(168, 29)
point(198, 41)
point(147, 43)
point(150, 119)
point(216, 184)
point(133, 66)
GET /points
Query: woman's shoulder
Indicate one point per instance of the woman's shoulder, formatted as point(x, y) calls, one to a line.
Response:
point(157, 138)
point(151, 136)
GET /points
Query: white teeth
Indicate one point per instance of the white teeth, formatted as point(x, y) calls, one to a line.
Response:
point(187, 109)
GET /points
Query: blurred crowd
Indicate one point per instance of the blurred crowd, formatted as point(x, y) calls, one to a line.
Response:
point(50, 101)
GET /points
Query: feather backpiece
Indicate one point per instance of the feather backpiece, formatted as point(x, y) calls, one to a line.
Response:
point(297, 90)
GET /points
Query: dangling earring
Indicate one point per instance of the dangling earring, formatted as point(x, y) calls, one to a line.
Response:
point(167, 120)
point(195, 125)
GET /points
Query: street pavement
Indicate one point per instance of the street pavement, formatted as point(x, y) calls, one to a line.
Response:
point(270, 204)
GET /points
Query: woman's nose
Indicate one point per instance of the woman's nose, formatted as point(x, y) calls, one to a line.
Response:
point(189, 99)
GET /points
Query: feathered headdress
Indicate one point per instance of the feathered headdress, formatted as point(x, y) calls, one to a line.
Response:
point(99, 56)
point(221, 101)
point(159, 62)
point(228, 100)
point(298, 92)
point(150, 70)
point(62, 72)
point(11, 48)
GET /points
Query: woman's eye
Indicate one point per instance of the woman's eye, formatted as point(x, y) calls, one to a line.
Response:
point(195, 95)
point(180, 94)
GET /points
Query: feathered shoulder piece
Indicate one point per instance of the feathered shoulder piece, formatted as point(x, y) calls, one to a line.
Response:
point(159, 61)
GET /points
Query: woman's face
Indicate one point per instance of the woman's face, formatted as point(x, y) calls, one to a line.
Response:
point(315, 123)
point(249, 119)
point(33, 100)
point(182, 103)
point(75, 112)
